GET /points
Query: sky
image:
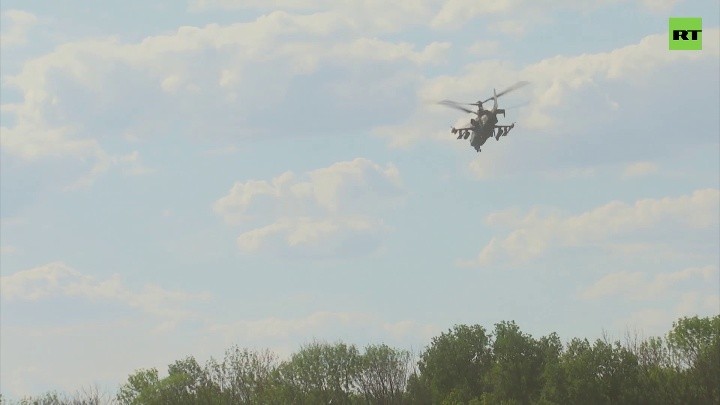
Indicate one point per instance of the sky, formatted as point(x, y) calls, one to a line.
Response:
point(181, 177)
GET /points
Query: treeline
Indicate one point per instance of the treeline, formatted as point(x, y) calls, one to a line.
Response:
point(465, 365)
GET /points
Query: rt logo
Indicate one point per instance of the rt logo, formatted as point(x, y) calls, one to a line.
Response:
point(685, 34)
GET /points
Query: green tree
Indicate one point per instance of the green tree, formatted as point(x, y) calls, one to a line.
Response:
point(383, 374)
point(456, 363)
point(141, 388)
point(517, 365)
point(244, 376)
point(418, 391)
point(188, 382)
point(602, 373)
point(320, 373)
point(464, 365)
point(553, 382)
point(695, 344)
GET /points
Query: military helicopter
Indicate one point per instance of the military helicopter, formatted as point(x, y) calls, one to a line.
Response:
point(485, 126)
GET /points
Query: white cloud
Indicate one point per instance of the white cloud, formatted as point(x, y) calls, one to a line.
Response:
point(8, 250)
point(343, 186)
point(330, 325)
point(652, 321)
point(555, 83)
point(90, 66)
point(368, 49)
point(712, 302)
point(657, 321)
point(32, 138)
point(130, 164)
point(533, 234)
point(313, 237)
point(639, 169)
point(57, 279)
point(71, 94)
point(367, 16)
point(513, 28)
point(325, 211)
point(16, 25)
point(484, 47)
point(614, 283)
point(381, 16)
point(455, 13)
point(659, 5)
point(655, 299)
point(641, 286)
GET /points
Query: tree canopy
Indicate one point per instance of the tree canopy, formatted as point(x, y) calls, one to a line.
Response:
point(467, 364)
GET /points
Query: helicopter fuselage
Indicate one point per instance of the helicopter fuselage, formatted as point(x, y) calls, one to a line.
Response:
point(485, 125)
point(483, 128)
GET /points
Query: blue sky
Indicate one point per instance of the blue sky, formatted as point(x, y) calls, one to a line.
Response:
point(181, 177)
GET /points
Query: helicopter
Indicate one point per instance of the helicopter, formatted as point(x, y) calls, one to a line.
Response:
point(485, 126)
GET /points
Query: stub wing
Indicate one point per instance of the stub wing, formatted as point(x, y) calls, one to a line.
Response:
point(455, 130)
point(502, 130)
point(463, 132)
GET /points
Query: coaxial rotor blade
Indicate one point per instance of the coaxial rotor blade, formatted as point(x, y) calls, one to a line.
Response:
point(453, 104)
point(509, 89)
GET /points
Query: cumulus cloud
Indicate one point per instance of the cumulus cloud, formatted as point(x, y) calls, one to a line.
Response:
point(513, 28)
point(658, 320)
point(639, 169)
point(16, 24)
point(380, 16)
point(653, 300)
point(324, 325)
point(557, 83)
point(374, 49)
point(368, 16)
point(57, 279)
point(455, 13)
point(8, 250)
point(531, 235)
point(314, 238)
point(33, 137)
point(641, 286)
point(325, 211)
point(484, 47)
point(75, 98)
point(343, 186)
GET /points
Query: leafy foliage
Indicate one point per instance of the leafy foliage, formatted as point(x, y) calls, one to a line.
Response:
point(464, 365)
point(456, 364)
